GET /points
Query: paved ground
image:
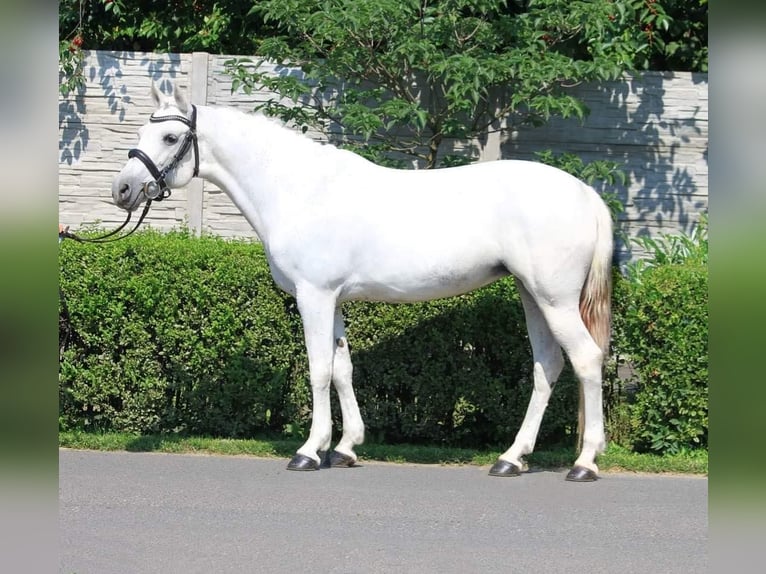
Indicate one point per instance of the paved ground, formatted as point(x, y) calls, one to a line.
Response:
point(134, 513)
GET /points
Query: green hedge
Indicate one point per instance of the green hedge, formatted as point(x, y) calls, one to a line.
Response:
point(661, 326)
point(171, 333)
point(174, 334)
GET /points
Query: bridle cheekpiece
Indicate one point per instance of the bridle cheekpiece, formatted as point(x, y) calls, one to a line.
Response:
point(158, 190)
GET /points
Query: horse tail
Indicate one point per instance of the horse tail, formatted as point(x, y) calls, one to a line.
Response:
point(596, 294)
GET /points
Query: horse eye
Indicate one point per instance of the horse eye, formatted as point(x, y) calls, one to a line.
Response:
point(170, 139)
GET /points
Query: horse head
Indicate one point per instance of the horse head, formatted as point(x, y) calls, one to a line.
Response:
point(166, 155)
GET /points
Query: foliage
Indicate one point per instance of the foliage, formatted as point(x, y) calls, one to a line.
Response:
point(662, 328)
point(454, 371)
point(233, 27)
point(671, 249)
point(683, 45)
point(168, 333)
point(216, 26)
point(70, 66)
point(405, 76)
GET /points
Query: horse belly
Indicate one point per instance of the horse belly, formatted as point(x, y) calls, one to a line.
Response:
point(413, 284)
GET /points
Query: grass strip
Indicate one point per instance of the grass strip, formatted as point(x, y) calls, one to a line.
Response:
point(616, 458)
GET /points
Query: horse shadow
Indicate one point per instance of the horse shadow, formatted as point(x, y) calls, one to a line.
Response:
point(454, 372)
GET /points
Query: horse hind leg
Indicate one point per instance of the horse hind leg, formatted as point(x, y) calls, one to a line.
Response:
point(548, 362)
point(587, 359)
point(353, 426)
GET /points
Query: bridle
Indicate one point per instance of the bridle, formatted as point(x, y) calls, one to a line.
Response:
point(158, 189)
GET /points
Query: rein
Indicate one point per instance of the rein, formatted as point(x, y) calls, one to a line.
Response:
point(156, 190)
point(112, 235)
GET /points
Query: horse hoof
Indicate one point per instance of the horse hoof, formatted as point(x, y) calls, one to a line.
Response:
point(340, 460)
point(504, 468)
point(581, 474)
point(302, 462)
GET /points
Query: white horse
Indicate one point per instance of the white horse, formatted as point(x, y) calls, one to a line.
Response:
point(336, 227)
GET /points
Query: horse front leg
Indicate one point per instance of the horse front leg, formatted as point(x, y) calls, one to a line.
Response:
point(317, 310)
point(353, 426)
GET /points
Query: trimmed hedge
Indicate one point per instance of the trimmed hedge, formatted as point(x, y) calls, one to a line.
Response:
point(171, 333)
point(661, 324)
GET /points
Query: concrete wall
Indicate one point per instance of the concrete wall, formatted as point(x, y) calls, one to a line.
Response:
point(655, 126)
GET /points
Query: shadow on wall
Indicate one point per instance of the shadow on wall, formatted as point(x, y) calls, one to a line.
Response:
point(73, 133)
point(658, 137)
point(660, 165)
point(108, 76)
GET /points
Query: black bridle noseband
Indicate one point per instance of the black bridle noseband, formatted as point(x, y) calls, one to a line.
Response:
point(158, 189)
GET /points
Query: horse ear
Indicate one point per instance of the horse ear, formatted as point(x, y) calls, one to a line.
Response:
point(157, 96)
point(181, 101)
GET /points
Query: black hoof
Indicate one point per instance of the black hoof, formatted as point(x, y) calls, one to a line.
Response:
point(302, 462)
point(340, 460)
point(504, 468)
point(581, 474)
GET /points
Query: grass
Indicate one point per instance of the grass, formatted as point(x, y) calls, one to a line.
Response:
point(616, 458)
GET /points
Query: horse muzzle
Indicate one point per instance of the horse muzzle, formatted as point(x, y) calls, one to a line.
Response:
point(127, 197)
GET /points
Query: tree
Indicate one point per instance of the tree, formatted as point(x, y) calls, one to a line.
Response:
point(231, 27)
point(407, 75)
point(216, 26)
point(683, 46)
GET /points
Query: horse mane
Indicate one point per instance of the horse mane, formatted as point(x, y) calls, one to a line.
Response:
point(276, 128)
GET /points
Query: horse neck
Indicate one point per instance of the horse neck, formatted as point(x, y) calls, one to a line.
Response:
point(246, 156)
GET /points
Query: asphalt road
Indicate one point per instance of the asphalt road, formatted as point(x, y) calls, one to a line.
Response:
point(134, 513)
